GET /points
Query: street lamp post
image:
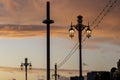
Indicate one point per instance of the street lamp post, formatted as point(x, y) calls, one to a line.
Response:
point(26, 64)
point(80, 27)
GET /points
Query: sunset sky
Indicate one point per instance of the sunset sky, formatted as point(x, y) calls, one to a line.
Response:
point(23, 35)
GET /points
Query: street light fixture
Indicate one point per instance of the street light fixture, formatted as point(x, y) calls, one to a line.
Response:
point(88, 31)
point(73, 27)
point(71, 30)
point(80, 27)
point(26, 64)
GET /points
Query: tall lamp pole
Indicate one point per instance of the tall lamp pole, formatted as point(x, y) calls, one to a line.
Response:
point(48, 22)
point(80, 27)
point(26, 64)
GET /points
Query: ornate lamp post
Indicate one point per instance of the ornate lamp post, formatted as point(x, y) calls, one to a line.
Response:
point(26, 64)
point(80, 27)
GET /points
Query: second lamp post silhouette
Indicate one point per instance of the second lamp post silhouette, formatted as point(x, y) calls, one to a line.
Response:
point(26, 64)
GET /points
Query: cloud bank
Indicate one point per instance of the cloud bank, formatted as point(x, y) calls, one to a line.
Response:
point(40, 70)
point(24, 31)
point(33, 12)
point(23, 18)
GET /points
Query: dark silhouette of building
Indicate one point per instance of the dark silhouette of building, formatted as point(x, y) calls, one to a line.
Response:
point(112, 73)
point(74, 78)
point(98, 75)
point(116, 74)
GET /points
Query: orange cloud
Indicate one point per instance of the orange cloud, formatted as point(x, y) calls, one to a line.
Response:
point(22, 31)
point(33, 12)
